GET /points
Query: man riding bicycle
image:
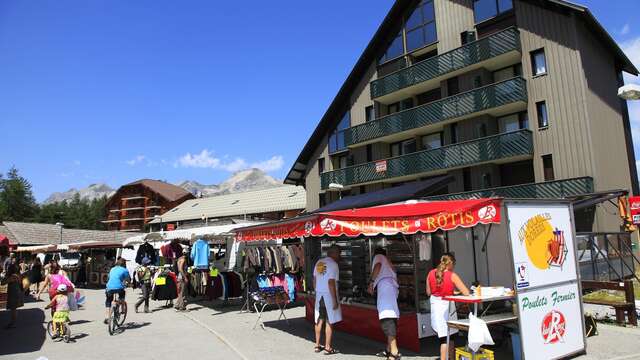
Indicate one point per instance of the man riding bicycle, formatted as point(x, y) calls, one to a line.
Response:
point(118, 277)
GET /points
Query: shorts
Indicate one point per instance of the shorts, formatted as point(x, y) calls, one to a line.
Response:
point(61, 317)
point(443, 340)
point(389, 326)
point(111, 294)
point(322, 309)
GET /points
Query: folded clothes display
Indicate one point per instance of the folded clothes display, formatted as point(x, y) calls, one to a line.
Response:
point(164, 286)
point(290, 283)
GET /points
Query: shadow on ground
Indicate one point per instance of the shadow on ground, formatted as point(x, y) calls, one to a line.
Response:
point(28, 336)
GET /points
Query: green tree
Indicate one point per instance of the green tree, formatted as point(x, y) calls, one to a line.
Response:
point(17, 202)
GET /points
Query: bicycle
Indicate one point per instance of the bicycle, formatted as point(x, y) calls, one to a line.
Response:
point(118, 315)
point(62, 331)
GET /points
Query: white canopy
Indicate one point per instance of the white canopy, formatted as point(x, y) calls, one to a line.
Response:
point(219, 230)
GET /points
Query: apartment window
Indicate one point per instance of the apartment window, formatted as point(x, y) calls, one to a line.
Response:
point(394, 50)
point(513, 122)
point(406, 104)
point(454, 133)
point(547, 165)
point(393, 108)
point(369, 113)
point(538, 62)
point(322, 199)
point(467, 37)
point(466, 179)
point(336, 139)
point(429, 96)
point(487, 9)
point(341, 161)
point(320, 166)
point(486, 181)
point(403, 147)
point(507, 73)
point(369, 153)
point(543, 115)
point(432, 141)
point(453, 86)
point(421, 26)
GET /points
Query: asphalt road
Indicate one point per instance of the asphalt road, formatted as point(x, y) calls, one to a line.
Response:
point(212, 331)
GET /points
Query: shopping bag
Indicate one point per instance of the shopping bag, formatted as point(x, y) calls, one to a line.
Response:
point(478, 333)
point(73, 304)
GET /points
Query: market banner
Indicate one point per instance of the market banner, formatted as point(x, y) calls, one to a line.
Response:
point(405, 218)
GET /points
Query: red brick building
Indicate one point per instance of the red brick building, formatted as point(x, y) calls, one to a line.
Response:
point(136, 204)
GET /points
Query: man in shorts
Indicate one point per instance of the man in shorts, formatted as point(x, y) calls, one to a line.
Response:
point(118, 277)
point(326, 275)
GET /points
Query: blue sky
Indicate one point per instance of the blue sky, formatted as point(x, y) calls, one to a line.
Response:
point(113, 91)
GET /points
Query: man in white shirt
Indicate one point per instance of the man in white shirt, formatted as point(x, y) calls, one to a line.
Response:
point(326, 275)
point(385, 280)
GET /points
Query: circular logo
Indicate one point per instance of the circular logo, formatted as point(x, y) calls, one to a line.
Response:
point(487, 213)
point(546, 246)
point(308, 226)
point(553, 327)
point(328, 225)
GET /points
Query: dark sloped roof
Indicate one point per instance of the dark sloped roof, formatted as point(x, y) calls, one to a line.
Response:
point(387, 30)
point(404, 192)
point(169, 191)
point(45, 234)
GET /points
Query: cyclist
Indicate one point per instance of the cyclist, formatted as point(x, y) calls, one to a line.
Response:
point(60, 304)
point(118, 277)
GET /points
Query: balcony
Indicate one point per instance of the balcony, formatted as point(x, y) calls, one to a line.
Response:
point(495, 99)
point(517, 145)
point(492, 52)
point(558, 189)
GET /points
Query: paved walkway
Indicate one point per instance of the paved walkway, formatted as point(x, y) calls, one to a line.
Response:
point(217, 332)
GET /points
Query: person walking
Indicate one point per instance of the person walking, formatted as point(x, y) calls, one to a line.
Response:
point(144, 278)
point(14, 293)
point(442, 282)
point(35, 273)
point(326, 275)
point(183, 281)
point(385, 280)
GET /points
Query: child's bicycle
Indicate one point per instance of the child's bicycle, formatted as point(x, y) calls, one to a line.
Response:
point(62, 331)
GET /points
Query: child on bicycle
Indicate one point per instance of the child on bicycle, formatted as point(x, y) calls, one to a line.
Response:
point(60, 304)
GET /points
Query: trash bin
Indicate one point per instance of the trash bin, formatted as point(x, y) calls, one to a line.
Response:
point(516, 345)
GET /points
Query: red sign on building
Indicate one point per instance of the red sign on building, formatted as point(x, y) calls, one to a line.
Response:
point(381, 166)
point(634, 206)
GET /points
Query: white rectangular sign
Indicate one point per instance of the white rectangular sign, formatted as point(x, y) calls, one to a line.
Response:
point(543, 244)
point(551, 322)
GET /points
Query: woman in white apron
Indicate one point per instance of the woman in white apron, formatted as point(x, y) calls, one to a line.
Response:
point(385, 281)
point(442, 282)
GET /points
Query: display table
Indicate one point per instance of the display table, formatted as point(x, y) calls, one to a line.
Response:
point(497, 319)
point(362, 320)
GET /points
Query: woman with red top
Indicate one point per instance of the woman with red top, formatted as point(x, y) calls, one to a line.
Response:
point(442, 282)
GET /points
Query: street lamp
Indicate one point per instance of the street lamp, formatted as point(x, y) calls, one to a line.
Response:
point(630, 92)
point(338, 188)
point(60, 225)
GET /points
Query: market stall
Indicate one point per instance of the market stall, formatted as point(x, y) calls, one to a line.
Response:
point(527, 246)
point(94, 260)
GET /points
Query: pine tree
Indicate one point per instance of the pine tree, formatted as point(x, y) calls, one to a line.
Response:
point(17, 202)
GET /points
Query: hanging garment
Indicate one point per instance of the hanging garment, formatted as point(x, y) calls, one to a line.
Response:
point(200, 254)
point(146, 250)
point(424, 247)
point(299, 251)
point(263, 281)
point(291, 286)
point(165, 288)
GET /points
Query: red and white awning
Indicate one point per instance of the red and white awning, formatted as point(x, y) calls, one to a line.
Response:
point(404, 218)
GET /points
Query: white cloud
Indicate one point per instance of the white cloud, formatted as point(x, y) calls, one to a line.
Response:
point(625, 29)
point(207, 159)
point(136, 160)
point(273, 164)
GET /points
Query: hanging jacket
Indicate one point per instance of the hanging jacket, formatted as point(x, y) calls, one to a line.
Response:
point(146, 250)
point(200, 254)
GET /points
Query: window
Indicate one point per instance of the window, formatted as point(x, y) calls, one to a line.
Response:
point(467, 37)
point(513, 122)
point(432, 141)
point(454, 133)
point(429, 96)
point(369, 152)
point(466, 180)
point(538, 62)
point(393, 108)
point(341, 162)
point(403, 147)
point(543, 116)
point(421, 26)
point(547, 165)
point(336, 139)
point(486, 181)
point(322, 199)
point(395, 49)
point(320, 166)
point(369, 113)
point(453, 86)
point(406, 104)
point(487, 9)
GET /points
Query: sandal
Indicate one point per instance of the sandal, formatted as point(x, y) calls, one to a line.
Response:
point(330, 351)
point(397, 356)
point(383, 354)
point(318, 349)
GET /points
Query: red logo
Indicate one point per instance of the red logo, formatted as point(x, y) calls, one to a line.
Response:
point(487, 213)
point(553, 327)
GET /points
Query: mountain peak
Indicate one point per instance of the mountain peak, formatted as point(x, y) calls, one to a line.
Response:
point(93, 191)
point(240, 181)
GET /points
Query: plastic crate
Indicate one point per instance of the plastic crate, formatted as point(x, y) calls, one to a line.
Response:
point(482, 354)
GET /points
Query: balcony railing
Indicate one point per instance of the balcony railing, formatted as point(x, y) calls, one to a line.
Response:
point(558, 189)
point(483, 49)
point(512, 144)
point(480, 99)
